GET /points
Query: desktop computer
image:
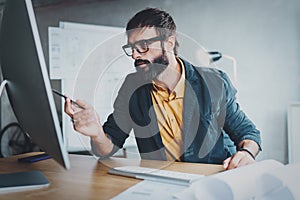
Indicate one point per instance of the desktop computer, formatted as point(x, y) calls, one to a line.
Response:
point(27, 82)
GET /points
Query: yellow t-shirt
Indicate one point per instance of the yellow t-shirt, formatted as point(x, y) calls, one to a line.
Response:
point(169, 110)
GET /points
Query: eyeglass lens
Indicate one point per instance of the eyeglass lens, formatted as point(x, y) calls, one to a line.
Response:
point(141, 46)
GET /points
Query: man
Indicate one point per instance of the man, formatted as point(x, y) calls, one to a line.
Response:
point(176, 110)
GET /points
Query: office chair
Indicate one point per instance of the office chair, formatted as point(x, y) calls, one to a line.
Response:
point(14, 141)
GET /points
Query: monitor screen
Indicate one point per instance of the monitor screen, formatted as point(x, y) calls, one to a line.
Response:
point(28, 85)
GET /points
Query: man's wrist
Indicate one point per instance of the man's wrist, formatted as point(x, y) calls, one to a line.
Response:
point(248, 151)
point(98, 138)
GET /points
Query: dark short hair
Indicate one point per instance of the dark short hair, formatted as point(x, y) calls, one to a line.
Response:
point(154, 17)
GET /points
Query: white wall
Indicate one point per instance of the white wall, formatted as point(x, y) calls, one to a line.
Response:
point(263, 36)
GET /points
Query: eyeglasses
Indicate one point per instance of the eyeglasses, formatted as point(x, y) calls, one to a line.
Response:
point(142, 46)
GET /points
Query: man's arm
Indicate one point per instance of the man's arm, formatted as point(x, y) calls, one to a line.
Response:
point(250, 147)
point(86, 121)
point(240, 129)
point(102, 145)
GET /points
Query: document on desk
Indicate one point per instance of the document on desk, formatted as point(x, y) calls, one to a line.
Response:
point(266, 180)
point(148, 190)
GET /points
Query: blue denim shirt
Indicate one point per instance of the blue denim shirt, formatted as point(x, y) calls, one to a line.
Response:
point(213, 122)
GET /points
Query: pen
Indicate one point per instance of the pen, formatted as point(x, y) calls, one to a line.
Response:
point(65, 97)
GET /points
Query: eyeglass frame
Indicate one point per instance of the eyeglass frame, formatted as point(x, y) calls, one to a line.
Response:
point(146, 42)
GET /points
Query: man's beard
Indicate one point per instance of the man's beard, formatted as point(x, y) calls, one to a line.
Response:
point(153, 69)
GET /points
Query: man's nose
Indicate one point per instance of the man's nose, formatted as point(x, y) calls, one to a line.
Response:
point(135, 54)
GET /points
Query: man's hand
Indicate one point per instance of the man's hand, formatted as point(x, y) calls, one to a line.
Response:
point(85, 119)
point(240, 158)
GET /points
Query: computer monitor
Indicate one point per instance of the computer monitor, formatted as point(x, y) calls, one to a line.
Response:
point(28, 88)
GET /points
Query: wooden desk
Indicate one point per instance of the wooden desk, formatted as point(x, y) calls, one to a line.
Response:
point(88, 177)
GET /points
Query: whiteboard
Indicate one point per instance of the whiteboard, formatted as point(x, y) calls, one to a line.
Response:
point(294, 132)
point(88, 58)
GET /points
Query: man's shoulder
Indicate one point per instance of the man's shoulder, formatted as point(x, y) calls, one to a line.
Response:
point(208, 70)
point(201, 69)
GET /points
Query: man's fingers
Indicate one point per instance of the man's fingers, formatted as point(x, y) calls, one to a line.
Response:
point(239, 159)
point(233, 162)
point(86, 113)
point(85, 117)
point(226, 163)
point(82, 104)
point(68, 107)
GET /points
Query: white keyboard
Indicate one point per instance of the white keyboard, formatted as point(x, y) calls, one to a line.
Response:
point(167, 176)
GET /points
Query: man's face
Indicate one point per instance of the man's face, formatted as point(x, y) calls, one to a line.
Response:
point(152, 62)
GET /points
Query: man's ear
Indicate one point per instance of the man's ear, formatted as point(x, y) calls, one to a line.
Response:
point(171, 42)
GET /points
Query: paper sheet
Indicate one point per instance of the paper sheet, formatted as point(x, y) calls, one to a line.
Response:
point(149, 190)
